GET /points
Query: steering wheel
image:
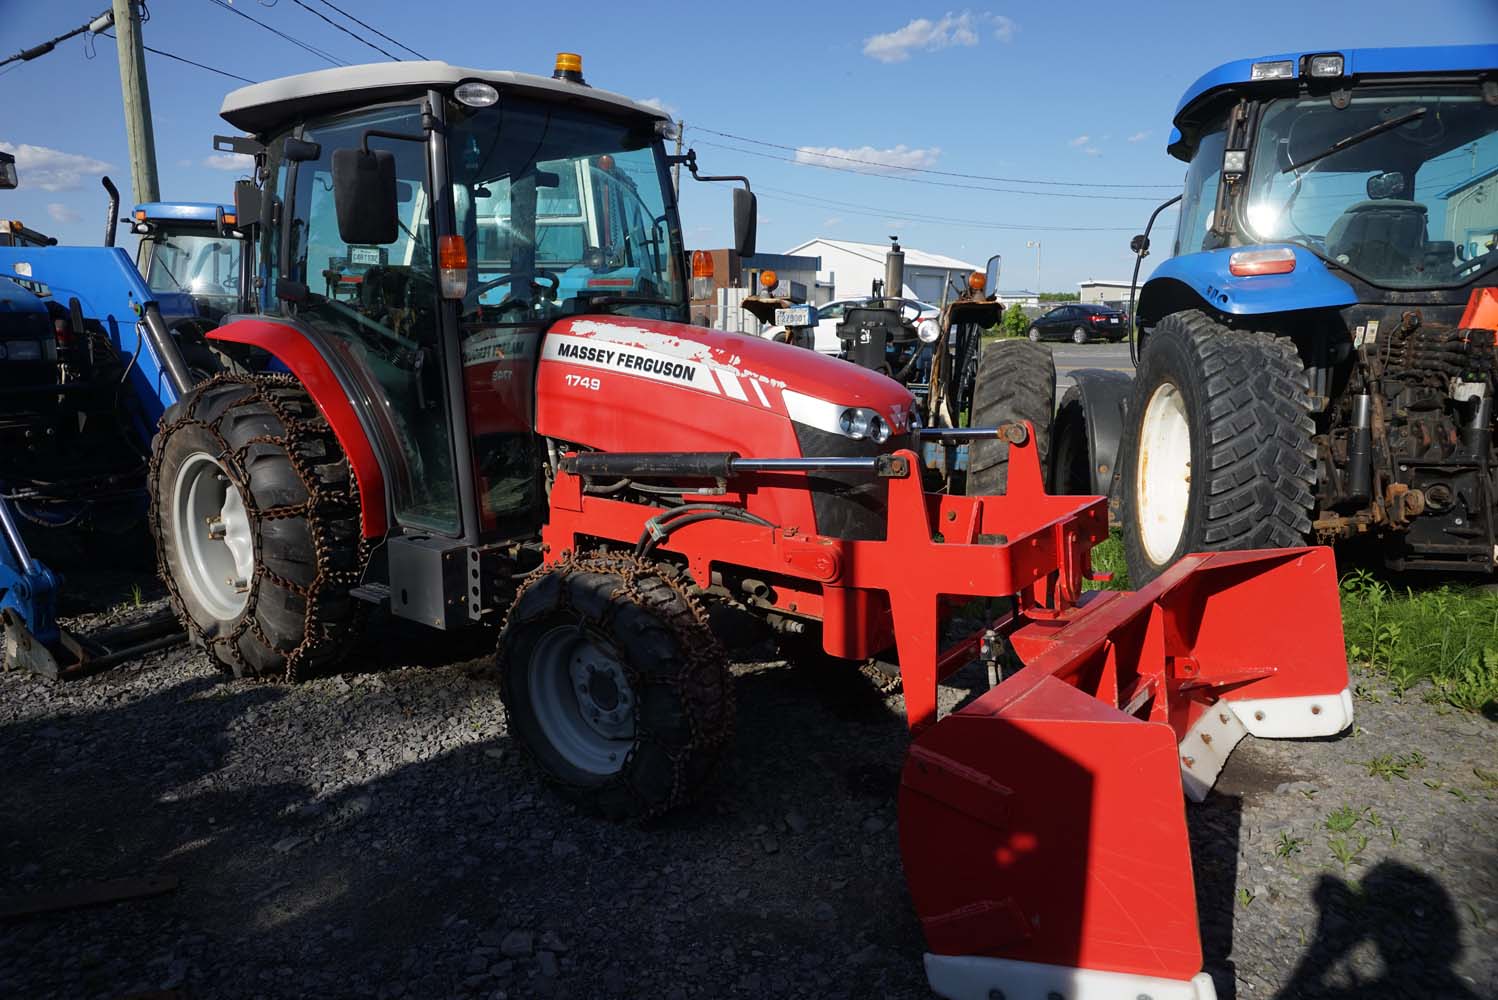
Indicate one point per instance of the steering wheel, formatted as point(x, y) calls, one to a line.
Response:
point(471, 300)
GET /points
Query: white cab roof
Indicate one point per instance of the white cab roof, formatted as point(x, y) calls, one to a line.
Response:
point(263, 106)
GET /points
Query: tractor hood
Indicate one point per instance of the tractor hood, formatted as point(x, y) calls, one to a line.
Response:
point(731, 368)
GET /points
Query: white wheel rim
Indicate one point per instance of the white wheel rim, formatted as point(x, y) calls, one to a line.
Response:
point(1162, 483)
point(215, 548)
point(1079, 335)
point(1034, 334)
point(583, 701)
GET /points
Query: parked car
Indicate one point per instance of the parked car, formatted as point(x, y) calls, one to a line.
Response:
point(830, 315)
point(1080, 323)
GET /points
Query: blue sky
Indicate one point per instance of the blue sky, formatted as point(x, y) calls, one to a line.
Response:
point(1078, 91)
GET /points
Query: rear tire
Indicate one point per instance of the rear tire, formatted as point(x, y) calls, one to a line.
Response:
point(1071, 461)
point(615, 685)
point(265, 590)
point(1217, 451)
point(1079, 336)
point(1016, 380)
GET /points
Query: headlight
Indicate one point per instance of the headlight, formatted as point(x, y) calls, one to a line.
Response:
point(859, 422)
point(23, 350)
point(878, 430)
point(928, 330)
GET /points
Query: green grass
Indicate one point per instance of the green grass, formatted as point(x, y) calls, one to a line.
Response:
point(1447, 634)
point(1108, 557)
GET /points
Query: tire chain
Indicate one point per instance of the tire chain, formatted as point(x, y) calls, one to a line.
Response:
point(682, 621)
point(260, 389)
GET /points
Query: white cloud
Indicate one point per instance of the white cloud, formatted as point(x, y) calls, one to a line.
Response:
point(832, 220)
point(1092, 151)
point(1140, 136)
point(925, 35)
point(868, 159)
point(232, 162)
point(660, 105)
point(52, 169)
point(1080, 141)
point(62, 213)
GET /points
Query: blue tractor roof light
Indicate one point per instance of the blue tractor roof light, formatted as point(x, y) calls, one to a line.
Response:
point(179, 211)
point(1272, 73)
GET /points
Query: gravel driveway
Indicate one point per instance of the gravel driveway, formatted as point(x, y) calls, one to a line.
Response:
point(376, 834)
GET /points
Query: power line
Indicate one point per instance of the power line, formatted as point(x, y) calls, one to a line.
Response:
point(294, 41)
point(370, 27)
point(887, 213)
point(356, 37)
point(814, 152)
point(181, 59)
point(97, 25)
point(934, 183)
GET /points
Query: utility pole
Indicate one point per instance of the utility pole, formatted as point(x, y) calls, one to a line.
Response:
point(137, 98)
point(1036, 245)
point(681, 131)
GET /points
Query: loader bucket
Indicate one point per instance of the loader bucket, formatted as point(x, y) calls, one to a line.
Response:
point(1043, 827)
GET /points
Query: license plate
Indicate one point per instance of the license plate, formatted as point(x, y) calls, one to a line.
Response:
point(1113, 320)
point(794, 316)
point(363, 255)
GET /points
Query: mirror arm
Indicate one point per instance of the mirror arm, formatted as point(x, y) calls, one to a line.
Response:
point(690, 159)
point(383, 134)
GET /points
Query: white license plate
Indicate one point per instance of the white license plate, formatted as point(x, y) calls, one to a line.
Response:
point(1113, 320)
point(794, 316)
point(363, 255)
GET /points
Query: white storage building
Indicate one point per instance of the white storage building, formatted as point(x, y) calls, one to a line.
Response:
point(851, 269)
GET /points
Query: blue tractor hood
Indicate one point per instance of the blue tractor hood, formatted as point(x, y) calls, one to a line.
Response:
point(1233, 80)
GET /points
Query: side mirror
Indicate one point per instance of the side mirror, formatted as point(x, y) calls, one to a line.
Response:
point(301, 150)
point(247, 201)
point(1140, 244)
point(991, 275)
point(364, 195)
point(745, 221)
point(1386, 185)
point(8, 180)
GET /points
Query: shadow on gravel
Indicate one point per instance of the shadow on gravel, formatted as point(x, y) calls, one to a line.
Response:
point(1406, 916)
point(1214, 827)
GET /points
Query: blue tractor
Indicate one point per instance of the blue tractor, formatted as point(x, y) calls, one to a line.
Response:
point(91, 354)
point(1312, 364)
point(190, 256)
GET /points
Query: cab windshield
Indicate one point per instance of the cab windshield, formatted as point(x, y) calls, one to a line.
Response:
point(563, 213)
point(205, 266)
point(1414, 204)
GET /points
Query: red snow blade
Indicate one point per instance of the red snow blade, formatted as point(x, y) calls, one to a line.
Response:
point(1044, 822)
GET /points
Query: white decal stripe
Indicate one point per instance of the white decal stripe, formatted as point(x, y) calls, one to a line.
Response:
point(626, 359)
point(731, 385)
point(763, 400)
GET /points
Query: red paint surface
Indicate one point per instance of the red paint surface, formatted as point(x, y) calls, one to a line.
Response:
point(296, 353)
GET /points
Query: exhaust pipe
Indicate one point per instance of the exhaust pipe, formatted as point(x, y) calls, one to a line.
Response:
point(112, 221)
point(1360, 450)
point(894, 273)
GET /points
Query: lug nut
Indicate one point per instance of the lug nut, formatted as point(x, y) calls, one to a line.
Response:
point(216, 529)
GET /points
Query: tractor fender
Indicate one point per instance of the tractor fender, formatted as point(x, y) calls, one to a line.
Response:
point(291, 345)
point(1204, 281)
point(1103, 398)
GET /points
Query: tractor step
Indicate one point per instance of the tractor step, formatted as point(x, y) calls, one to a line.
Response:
point(372, 593)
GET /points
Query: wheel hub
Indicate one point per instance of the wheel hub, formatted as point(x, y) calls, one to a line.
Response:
point(582, 699)
point(1163, 486)
point(214, 542)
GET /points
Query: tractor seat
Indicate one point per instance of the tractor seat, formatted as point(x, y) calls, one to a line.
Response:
point(1381, 237)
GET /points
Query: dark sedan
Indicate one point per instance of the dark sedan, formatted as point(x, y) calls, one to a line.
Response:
point(1081, 323)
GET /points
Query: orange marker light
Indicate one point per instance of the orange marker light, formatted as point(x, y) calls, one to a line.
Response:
point(769, 279)
point(569, 62)
point(606, 162)
point(140, 215)
point(1274, 260)
point(702, 264)
point(452, 265)
point(230, 219)
point(977, 281)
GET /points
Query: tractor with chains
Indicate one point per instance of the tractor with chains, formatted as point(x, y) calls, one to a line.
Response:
point(1316, 358)
point(509, 422)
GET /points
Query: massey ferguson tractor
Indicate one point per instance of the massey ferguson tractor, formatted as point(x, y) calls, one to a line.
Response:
point(511, 424)
point(1316, 358)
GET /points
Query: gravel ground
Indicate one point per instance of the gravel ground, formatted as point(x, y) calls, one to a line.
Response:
point(376, 834)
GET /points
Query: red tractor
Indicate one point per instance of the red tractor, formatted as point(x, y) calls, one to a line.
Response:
point(494, 413)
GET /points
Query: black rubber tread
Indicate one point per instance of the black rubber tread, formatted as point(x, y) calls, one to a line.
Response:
point(677, 668)
point(1016, 380)
point(1253, 461)
point(304, 512)
point(1071, 462)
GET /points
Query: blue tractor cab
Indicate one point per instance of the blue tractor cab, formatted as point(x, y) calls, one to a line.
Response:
point(1304, 374)
point(191, 257)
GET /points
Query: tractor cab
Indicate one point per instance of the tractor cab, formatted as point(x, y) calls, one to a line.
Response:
point(190, 256)
point(1357, 176)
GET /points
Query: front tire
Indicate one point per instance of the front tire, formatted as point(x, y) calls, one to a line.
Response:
point(256, 519)
point(1217, 451)
point(615, 685)
point(1016, 380)
point(1034, 335)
